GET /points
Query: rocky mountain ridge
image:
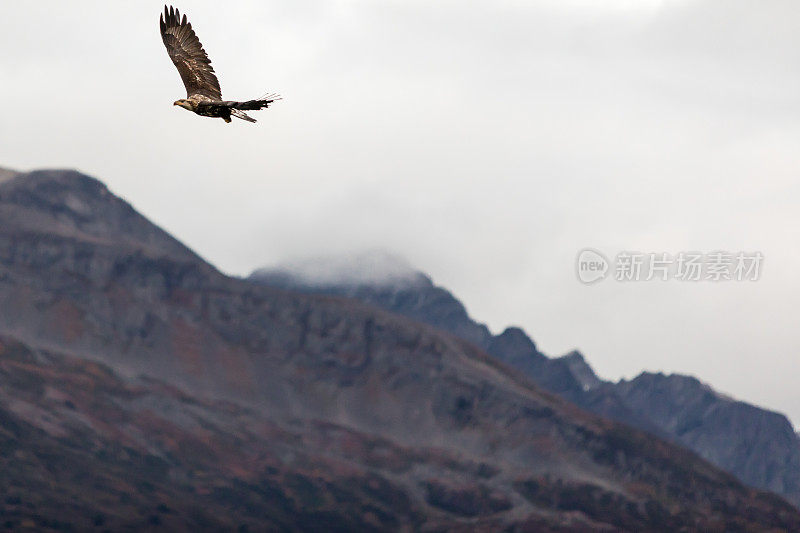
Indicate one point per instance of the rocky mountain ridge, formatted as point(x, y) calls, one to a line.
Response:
point(756, 445)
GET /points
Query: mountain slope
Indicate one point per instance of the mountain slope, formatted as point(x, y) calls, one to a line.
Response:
point(413, 294)
point(141, 388)
point(756, 445)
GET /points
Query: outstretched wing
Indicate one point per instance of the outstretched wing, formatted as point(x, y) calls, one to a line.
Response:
point(187, 53)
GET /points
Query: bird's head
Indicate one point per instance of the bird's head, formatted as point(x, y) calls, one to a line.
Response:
point(186, 104)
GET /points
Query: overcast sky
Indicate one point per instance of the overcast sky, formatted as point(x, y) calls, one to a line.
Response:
point(486, 142)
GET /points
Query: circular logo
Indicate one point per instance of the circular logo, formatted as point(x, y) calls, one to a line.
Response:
point(591, 266)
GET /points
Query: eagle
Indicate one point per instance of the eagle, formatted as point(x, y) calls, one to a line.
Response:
point(203, 95)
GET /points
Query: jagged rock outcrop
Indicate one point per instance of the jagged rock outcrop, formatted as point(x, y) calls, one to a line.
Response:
point(581, 370)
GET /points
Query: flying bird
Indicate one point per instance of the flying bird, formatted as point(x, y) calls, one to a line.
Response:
point(203, 95)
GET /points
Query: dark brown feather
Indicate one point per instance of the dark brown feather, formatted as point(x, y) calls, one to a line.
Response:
point(187, 54)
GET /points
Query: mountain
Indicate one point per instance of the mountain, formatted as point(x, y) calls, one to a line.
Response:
point(413, 294)
point(140, 388)
point(758, 446)
point(383, 280)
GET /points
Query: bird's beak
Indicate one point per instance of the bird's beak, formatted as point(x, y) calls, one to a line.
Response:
point(175, 103)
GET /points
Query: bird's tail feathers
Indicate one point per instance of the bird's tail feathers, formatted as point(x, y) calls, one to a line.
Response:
point(242, 115)
point(261, 102)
